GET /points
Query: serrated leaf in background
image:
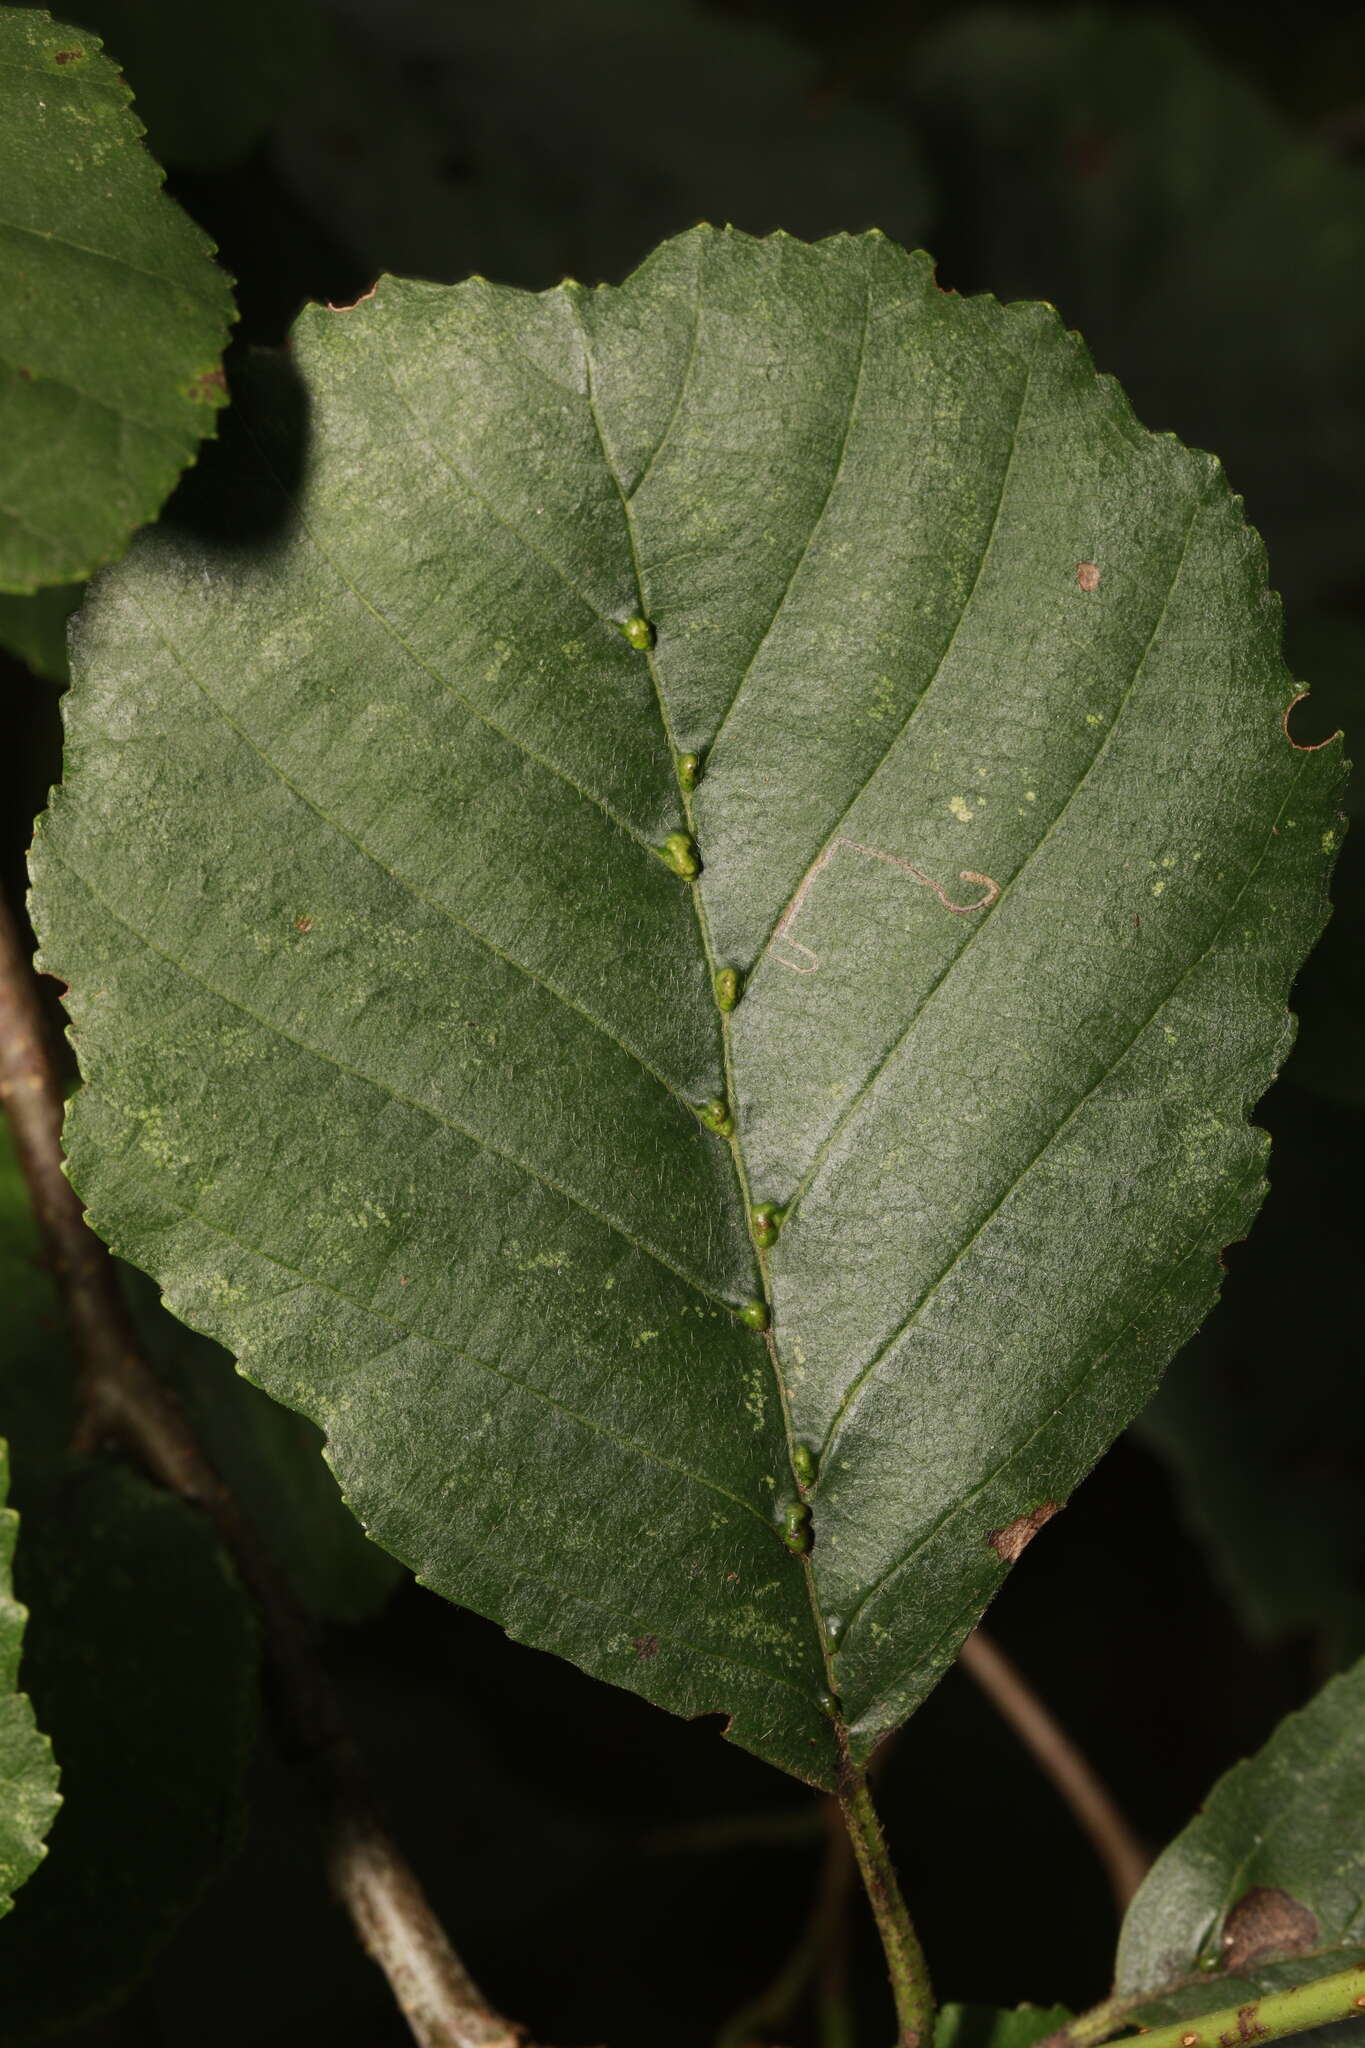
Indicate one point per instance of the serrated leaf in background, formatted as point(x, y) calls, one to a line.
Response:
point(1212, 257)
point(142, 1661)
point(113, 315)
point(397, 1029)
point(210, 81)
point(528, 141)
point(28, 1773)
point(33, 627)
point(984, 2026)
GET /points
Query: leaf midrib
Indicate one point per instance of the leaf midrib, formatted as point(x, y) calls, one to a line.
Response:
point(50, 238)
point(36, 375)
point(823, 1646)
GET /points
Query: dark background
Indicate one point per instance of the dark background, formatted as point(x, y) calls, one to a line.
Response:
point(1187, 189)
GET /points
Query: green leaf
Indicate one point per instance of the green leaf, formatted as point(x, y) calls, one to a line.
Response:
point(142, 1661)
point(269, 1456)
point(989, 2026)
point(113, 318)
point(28, 1775)
point(1266, 1888)
point(423, 1079)
point(530, 141)
point(210, 80)
point(34, 627)
point(1209, 253)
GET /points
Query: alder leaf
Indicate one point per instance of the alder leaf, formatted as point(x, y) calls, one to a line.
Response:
point(425, 1084)
point(113, 318)
point(1266, 1888)
point(28, 1775)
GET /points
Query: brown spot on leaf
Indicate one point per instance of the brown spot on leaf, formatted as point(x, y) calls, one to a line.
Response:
point(1010, 1542)
point(20, 371)
point(208, 384)
point(1266, 1921)
point(646, 1647)
point(66, 56)
point(1087, 575)
point(303, 924)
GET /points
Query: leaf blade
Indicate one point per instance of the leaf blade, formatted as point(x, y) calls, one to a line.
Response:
point(28, 1773)
point(111, 335)
point(470, 997)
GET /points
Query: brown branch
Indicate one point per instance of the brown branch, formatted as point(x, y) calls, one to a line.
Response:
point(123, 1401)
point(1113, 1841)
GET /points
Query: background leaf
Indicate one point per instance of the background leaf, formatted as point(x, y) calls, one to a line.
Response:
point(34, 627)
point(405, 1112)
point(210, 81)
point(28, 1775)
point(113, 318)
point(1266, 1888)
point(529, 142)
point(1211, 255)
point(983, 2026)
point(142, 1662)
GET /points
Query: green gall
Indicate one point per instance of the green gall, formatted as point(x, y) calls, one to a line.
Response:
point(831, 1704)
point(803, 1463)
point(755, 1314)
point(639, 632)
point(767, 1221)
point(679, 852)
point(716, 1117)
point(689, 771)
point(796, 1527)
point(728, 985)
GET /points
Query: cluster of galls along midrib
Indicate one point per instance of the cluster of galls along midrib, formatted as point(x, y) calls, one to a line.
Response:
point(679, 853)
